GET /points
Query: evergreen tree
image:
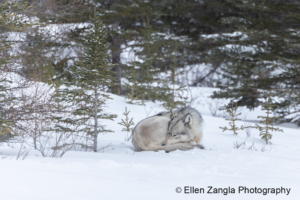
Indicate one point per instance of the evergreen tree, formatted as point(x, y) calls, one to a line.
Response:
point(265, 131)
point(62, 11)
point(38, 55)
point(127, 123)
point(91, 76)
point(12, 18)
point(232, 111)
point(173, 90)
point(149, 81)
point(144, 73)
point(133, 85)
point(150, 23)
point(246, 42)
point(263, 55)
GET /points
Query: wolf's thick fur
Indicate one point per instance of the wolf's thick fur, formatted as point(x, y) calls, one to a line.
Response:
point(177, 122)
point(169, 131)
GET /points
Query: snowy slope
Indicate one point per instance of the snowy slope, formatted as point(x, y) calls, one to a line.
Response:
point(120, 173)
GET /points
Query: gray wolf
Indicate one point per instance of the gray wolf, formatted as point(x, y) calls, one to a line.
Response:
point(180, 129)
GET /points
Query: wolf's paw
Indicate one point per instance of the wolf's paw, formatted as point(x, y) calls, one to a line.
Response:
point(199, 146)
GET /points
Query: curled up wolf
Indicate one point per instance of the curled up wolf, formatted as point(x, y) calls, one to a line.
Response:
point(179, 129)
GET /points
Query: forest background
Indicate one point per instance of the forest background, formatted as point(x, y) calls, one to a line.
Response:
point(248, 49)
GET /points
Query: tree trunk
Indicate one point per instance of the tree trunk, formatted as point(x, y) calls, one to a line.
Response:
point(116, 59)
point(96, 121)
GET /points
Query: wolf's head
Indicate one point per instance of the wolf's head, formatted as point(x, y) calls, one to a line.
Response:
point(180, 128)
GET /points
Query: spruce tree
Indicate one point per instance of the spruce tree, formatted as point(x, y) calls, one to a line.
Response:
point(91, 76)
point(173, 90)
point(147, 72)
point(10, 20)
point(246, 42)
point(263, 55)
point(127, 123)
point(132, 20)
point(133, 84)
point(265, 131)
point(232, 111)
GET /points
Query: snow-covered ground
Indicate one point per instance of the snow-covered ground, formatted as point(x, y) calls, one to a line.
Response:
point(120, 173)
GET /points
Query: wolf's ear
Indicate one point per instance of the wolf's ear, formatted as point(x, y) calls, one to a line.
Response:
point(188, 119)
point(173, 114)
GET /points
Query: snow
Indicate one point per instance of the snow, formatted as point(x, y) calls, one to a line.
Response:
point(242, 35)
point(118, 172)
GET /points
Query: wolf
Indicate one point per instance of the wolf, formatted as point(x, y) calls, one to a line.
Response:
point(180, 129)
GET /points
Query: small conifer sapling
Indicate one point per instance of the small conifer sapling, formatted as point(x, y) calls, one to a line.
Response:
point(127, 123)
point(265, 131)
point(232, 111)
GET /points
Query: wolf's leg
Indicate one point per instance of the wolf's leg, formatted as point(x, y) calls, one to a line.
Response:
point(136, 146)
